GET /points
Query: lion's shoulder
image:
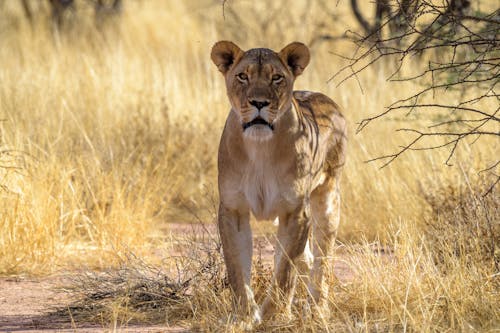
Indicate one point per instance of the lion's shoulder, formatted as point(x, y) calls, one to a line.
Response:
point(328, 126)
point(317, 105)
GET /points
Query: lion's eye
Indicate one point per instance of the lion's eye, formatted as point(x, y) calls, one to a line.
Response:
point(242, 77)
point(277, 78)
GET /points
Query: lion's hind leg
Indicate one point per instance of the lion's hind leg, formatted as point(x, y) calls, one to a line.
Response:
point(325, 206)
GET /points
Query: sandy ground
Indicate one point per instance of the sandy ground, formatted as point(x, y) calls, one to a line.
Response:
point(26, 303)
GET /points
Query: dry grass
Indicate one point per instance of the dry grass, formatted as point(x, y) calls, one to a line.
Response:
point(108, 135)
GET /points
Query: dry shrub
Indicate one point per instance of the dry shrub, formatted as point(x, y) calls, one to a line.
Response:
point(464, 224)
point(462, 240)
point(133, 293)
point(139, 292)
point(442, 274)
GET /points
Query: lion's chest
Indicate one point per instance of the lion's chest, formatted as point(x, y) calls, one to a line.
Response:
point(263, 191)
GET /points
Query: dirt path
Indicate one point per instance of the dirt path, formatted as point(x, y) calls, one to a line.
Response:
point(23, 302)
point(26, 303)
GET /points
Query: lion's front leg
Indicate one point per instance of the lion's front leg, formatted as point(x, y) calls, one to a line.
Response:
point(293, 233)
point(236, 236)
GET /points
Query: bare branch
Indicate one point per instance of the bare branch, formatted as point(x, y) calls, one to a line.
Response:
point(463, 48)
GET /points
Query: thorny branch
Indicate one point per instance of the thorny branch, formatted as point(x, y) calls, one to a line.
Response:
point(462, 48)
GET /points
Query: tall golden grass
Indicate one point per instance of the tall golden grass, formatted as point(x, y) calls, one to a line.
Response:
point(109, 134)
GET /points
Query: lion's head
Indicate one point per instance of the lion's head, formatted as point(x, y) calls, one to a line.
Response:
point(259, 83)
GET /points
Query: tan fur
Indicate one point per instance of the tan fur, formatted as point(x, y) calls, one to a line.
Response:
point(288, 169)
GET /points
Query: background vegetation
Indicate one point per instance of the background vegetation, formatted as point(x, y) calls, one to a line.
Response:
point(109, 131)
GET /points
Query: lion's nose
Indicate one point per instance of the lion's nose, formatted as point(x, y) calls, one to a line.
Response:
point(259, 104)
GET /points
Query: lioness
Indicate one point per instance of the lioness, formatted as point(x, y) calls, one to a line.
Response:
point(280, 155)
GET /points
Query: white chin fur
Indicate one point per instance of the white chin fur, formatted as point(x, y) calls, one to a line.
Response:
point(258, 133)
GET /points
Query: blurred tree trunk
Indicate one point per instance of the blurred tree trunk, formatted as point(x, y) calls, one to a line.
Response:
point(115, 7)
point(59, 8)
point(399, 15)
point(27, 11)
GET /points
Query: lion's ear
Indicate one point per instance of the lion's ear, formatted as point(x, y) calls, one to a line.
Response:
point(296, 56)
point(225, 54)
